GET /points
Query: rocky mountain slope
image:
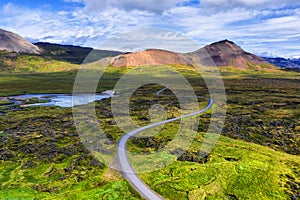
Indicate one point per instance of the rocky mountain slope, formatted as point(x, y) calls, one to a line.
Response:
point(223, 53)
point(149, 57)
point(12, 42)
point(226, 53)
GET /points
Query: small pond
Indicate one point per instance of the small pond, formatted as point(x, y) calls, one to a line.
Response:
point(61, 100)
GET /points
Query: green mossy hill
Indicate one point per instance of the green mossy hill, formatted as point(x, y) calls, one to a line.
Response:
point(21, 63)
point(73, 54)
point(53, 58)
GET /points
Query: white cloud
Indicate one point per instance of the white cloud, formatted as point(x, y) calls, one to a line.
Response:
point(274, 31)
point(255, 4)
point(156, 6)
point(75, 1)
point(75, 27)
point(150, 38)
point(257, 28)
point(209, 27)
point(9, 10)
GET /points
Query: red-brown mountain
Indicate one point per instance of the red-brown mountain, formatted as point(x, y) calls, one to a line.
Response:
point(12, 42)
point(226, 53)
point(149, 57)
point(223, 53)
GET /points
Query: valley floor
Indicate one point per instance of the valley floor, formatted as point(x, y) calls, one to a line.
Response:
point(257, 156)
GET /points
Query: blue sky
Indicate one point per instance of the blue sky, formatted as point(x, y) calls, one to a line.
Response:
point(264, 27)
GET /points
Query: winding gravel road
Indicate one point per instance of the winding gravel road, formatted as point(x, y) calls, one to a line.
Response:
point(125, 166)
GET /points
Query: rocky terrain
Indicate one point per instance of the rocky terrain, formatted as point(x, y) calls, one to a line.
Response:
point(149, 57)
point(14, 43)
point(226, 53)
point(223, 53)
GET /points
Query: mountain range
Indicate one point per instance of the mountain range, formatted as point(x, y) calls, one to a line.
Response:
point(222, 53)
point(287, 63)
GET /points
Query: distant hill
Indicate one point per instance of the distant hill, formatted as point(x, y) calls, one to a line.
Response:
point(12, 42)
point(285, 63)
point(149, 57)
point(73, 54)
point(226, 53)
point(223, 53)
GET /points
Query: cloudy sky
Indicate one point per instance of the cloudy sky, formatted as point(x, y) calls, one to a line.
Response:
point(264, 27)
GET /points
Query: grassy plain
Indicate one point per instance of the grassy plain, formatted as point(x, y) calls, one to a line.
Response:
point(42, 157)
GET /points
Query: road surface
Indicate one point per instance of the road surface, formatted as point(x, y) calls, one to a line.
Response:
point(125, 166)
